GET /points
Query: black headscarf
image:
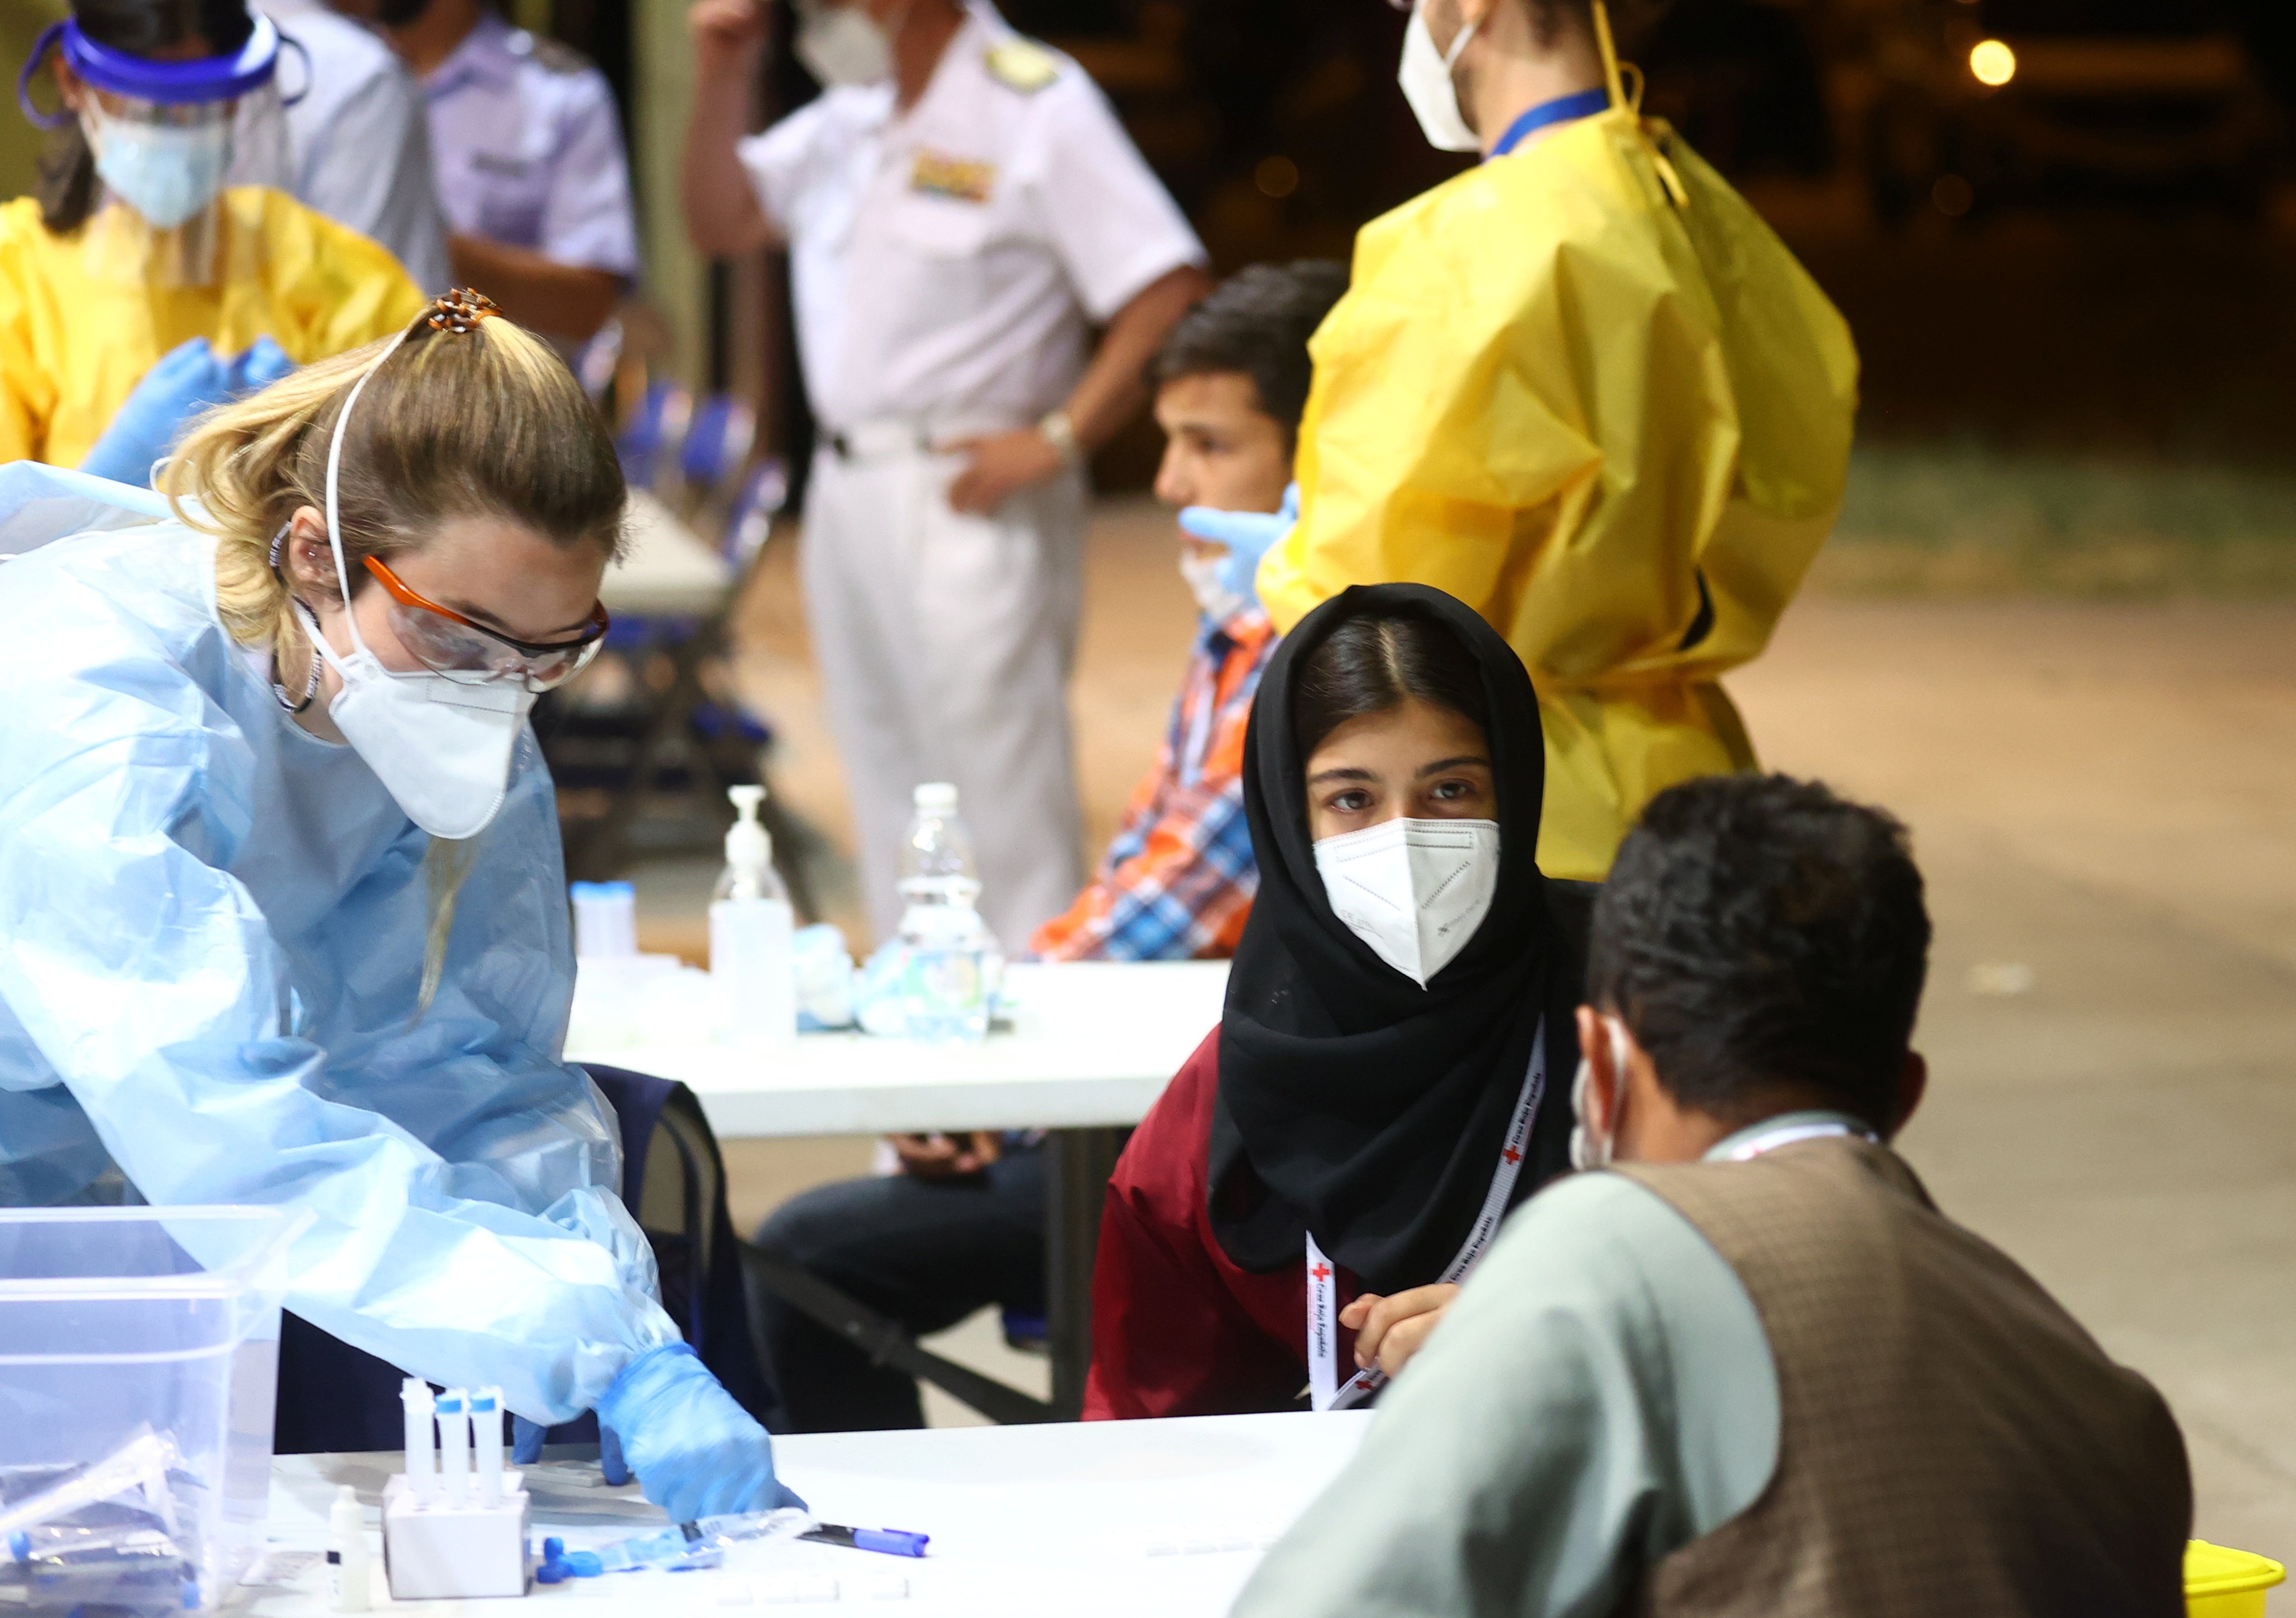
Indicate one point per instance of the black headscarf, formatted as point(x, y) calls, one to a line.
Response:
point(1352, 1102)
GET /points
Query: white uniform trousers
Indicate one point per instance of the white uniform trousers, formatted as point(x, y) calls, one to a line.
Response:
point(945, 643)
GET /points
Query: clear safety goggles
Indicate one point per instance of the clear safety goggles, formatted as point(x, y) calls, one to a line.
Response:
point(446, 642)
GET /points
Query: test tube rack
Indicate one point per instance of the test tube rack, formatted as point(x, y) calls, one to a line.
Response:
point(449, 1536)
point(435, 1550)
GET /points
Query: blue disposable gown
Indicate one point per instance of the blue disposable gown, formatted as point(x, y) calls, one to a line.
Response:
point(211, 938)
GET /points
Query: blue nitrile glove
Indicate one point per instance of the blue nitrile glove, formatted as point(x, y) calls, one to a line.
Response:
point(263, 364)
point(182, 382)
point(525, 1441)
point(1248, 535)
point(526, 1438)
point(695, 1451)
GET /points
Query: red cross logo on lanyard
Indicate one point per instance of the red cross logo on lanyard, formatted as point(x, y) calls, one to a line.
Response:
point(1511, 1156)
point(1322, 1273)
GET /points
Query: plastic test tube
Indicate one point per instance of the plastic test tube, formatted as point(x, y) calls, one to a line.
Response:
point(422, 1444)
point(487, 1442)
point(454, 1444)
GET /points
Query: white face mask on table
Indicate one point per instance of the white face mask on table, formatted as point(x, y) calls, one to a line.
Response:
point(1425, 77)
point(843, 44)
point(1414, 891)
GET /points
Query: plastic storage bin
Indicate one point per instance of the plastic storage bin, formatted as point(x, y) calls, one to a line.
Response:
point(139, 1359)
point(2221, 1582)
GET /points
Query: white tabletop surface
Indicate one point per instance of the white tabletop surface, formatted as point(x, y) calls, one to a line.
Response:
point(1092, 1044)
point(1161, 1518)
point(666, 567)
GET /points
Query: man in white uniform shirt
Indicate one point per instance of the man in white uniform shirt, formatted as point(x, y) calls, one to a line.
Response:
point(961, 208)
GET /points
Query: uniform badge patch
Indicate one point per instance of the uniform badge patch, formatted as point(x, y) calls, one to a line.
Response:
point(959, 179)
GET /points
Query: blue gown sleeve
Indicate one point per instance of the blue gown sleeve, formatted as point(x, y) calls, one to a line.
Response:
point(459, 1177)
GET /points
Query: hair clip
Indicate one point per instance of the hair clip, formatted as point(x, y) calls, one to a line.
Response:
point(461, 310)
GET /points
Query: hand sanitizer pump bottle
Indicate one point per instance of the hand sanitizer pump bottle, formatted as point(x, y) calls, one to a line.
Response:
point(752, 968)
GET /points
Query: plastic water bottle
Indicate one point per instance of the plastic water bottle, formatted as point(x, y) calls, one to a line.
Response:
point(950, 961)
point(752, 963)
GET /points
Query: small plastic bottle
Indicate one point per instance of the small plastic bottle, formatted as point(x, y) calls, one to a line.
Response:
point(347, 1563)
point(951, 963)
point(752, 963)
point(605, 920)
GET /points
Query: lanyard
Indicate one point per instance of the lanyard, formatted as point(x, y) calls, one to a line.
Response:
point(1325, 1389)
point(1791, 1134)
point(1562, 109)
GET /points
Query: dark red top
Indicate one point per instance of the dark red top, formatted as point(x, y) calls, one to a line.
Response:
point(1177, 1330)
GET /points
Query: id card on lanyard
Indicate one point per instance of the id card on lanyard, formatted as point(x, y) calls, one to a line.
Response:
point(1325, 1392)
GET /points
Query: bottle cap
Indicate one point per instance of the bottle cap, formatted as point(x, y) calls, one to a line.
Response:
point(937, 795)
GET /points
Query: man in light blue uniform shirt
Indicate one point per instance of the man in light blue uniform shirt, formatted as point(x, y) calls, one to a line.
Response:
point(527, 150)
point(358, 138)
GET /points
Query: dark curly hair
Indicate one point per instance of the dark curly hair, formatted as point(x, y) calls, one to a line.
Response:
point(1760, 933)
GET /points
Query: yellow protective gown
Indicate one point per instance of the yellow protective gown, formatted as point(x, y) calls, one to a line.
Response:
point(1616, 426)
point(74, 342)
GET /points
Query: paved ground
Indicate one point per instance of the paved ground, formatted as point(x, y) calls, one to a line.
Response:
point(2104, 801)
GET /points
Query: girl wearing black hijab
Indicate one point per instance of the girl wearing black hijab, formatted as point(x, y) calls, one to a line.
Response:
point(1389, 1075)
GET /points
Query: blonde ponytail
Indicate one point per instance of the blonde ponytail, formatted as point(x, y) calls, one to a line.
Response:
point(481, 420)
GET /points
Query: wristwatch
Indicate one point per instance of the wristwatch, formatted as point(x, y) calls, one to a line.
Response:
point(1058, 430)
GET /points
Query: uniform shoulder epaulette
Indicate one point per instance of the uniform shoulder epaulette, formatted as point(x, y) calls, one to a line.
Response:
point(1022, 65)
point(556, 56)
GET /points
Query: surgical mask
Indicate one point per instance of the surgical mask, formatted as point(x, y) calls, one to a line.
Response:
point(1586, 1150)
point(1206, 573)
point(167, 173)
point(1414, 891)
point(1425, 76)
point(843, 44)
point(440, 748)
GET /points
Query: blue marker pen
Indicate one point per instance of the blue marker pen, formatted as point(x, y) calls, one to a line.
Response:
point(891, 1541)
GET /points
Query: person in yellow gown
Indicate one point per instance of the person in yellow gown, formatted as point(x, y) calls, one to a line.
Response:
point(153, 228)
point(1584, 389)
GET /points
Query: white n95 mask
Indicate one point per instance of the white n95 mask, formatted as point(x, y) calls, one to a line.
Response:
point(1425, 77)
point(842, 44)
point(1414, 891)
point(440, 748)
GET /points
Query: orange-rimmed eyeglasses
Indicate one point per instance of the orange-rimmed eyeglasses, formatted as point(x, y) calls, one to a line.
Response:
point(446, 642)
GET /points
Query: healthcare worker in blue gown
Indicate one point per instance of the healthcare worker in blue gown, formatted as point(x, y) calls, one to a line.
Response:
point(282, 912)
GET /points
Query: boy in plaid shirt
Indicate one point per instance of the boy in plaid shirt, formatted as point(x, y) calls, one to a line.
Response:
point(1230, 381)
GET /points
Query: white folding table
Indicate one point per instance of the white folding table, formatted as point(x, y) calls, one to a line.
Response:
point(1161, 1518)
point(1092, 1044)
